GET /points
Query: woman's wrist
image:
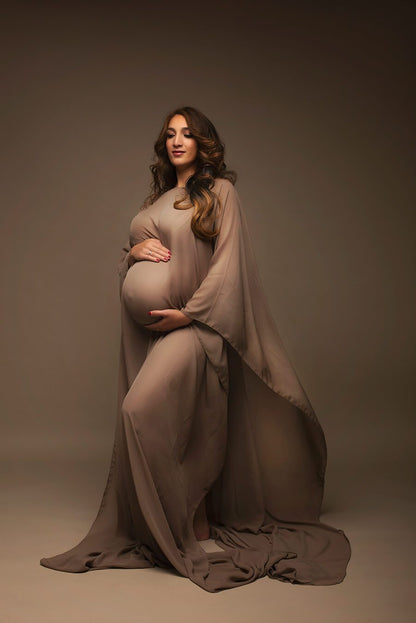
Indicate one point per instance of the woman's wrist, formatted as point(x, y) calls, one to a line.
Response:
point(186, 316)
point(130, 258)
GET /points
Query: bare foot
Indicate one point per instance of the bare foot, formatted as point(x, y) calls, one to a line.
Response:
point(201, 525)
point(202, 533)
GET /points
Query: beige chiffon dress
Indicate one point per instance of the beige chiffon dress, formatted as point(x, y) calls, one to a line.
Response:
point(211, 409)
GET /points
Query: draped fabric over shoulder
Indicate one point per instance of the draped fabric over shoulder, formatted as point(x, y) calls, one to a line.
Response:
point(211, 409)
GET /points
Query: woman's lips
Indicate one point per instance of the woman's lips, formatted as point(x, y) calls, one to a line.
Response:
point(178, 153)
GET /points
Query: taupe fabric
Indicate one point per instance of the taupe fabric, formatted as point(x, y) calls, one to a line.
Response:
point(215, 407)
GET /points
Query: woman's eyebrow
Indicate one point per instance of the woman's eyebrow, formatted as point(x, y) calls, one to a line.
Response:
point(184, 128)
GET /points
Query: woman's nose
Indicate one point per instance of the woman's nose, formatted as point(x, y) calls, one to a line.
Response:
point(177, 141)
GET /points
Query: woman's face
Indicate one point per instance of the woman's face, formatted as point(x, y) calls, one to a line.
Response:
point(182, 148)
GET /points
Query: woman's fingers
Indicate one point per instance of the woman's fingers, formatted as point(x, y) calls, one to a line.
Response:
point(159, 312)
point(166, 253)
point(150, 249)
point(164, 324)
point(160, 255)
point(172, 318)
point(158, 251)
point(153, 254)
point(158, 244)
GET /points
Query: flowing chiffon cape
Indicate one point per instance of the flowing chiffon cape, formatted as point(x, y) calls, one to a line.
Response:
point(264, 506)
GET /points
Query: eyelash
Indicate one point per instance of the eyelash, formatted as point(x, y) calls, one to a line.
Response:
point(172, 135)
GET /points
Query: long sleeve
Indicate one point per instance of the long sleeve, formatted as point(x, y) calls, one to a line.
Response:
point(232, 301)
point(218, 287)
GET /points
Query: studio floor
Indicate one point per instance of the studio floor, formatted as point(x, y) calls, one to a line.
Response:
point(49, 502)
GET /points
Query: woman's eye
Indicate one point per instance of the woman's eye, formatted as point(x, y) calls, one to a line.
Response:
point(185, 135)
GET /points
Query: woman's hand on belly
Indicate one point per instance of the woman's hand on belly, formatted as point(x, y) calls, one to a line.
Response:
point(150, 249)
point(172, 319)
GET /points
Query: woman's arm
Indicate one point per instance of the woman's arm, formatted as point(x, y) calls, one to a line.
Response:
point(224, 274)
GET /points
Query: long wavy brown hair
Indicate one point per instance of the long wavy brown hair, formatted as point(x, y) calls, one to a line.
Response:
point(209, 165)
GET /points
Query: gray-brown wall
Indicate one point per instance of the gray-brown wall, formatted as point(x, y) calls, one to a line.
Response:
point(314, 103)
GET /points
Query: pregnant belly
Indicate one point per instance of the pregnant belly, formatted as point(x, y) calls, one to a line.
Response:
point(147, 286)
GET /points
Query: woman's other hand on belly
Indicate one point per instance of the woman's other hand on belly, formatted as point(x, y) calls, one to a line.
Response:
point(172, 319)
point(150, 249)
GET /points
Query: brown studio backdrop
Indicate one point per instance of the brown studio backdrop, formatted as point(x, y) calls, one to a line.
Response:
point(314, 106)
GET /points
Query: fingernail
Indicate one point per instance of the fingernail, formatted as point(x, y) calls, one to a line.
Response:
point(150, 313)
point(158, 260)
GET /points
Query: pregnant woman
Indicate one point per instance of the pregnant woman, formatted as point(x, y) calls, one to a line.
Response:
point(215, 435)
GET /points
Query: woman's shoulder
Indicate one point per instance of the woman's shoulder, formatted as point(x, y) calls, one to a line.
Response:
point(223, 185)
point(227, 195)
